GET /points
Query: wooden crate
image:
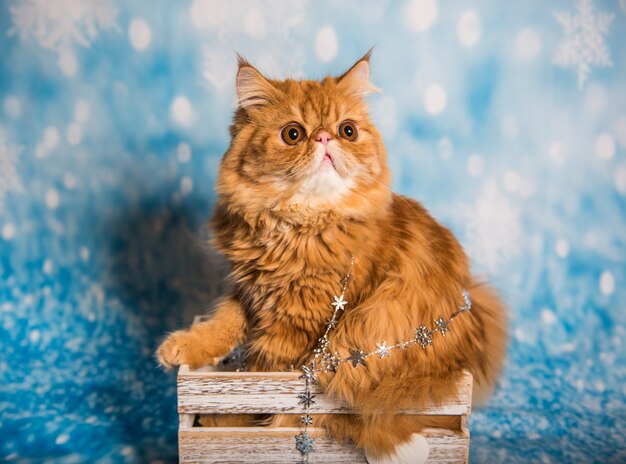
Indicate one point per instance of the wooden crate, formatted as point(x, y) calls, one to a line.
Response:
point(207, 391)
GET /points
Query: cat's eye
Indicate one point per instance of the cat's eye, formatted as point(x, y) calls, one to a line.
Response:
point(347, 130)
point(292, 134)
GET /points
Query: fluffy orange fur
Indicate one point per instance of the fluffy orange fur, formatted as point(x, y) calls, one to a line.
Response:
point(289, 222)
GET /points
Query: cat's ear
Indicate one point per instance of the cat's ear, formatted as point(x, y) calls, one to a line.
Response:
point(356, 80)
point(253, 89)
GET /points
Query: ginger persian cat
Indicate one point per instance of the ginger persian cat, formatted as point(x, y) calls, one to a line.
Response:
point(301, 188)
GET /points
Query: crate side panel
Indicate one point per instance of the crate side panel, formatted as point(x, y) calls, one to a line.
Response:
point(238, 392)
point(262, 445)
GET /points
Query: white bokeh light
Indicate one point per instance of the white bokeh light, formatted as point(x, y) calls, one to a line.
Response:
point(607, 283)
point(547, 316)
point(181, 111)
point(69, 181)
point(52, 199)
point(509, 127)
point(561, 248)
point(556, 151)
point(420, 15)
point(12, 107)
point(475, 165)
point(596, 99)
point(81, 111)
point(435, 99)
point(620, 131)
point(469, 29)
point(68, 63)
point(254, 24)
point(620, 179)
point(186, 185)
point(208, 13)
point(326, 45)
point(527, 187)
point(51, 138)
point(512, 181)
point(74, 134)
point(140, 34)
point(34, 335)
point(605, 146)
point(183, 152)
point(8, 231)
point(62, 439)
point(50, 141)
point(445, 148)
point(527, 44)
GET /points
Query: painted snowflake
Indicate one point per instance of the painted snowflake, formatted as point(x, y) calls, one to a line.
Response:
point(583, 45)
point(9, 177)
point(493, 228)
point(62, 25)
point(245, 25)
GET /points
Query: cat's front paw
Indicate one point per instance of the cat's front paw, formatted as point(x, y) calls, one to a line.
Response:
point(184, 347)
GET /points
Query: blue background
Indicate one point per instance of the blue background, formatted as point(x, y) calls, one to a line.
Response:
point(503, 118)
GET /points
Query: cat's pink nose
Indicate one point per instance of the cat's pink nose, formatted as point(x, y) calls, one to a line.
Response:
point(324, 137)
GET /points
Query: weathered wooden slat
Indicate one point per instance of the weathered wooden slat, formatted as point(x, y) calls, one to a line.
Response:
point(277, 392)
point(267, 445)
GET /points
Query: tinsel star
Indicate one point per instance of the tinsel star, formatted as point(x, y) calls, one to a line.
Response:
point(330, 362)
point(304, 443)
point(339, 302)
point(308, 372)
point(423, 337)
point(306, 419)
point(383, 349)
point(307, 399)
point(356, 357)
point(468, 302)
point(442, 326)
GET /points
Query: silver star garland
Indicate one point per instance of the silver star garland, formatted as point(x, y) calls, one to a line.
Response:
point(442, 326)
point(382, 349)
point(339, 303)
point(307, 399)
point(305, 444)
point(325, 361)
point(423, 337)
point(356, 357)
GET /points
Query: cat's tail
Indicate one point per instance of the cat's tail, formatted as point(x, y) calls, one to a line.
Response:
point(489, 356)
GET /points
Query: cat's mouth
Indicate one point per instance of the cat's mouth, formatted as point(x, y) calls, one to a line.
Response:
point(327, 160)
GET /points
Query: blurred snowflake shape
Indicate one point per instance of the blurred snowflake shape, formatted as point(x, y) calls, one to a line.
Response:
point(583, 45)
point(250, 25)
point(9, 177)
point(493, 229)
point(62, 25)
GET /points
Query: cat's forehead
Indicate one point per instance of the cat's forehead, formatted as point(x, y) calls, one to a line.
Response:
point(319, 100)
